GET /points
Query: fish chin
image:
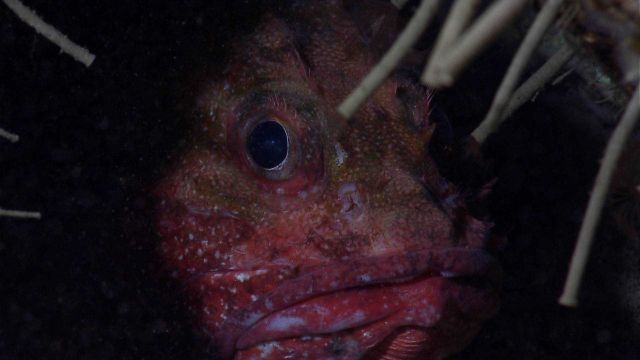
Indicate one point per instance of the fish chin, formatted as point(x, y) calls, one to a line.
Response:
point(380, 315)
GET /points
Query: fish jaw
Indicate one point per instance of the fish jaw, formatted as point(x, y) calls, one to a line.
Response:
point(344, 310)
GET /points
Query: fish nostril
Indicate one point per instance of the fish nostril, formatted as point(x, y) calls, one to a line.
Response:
point(351, 200)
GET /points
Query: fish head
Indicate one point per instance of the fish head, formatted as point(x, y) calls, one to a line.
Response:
point(299, 233)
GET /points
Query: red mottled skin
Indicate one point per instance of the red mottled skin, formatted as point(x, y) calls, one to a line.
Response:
point(356, 247)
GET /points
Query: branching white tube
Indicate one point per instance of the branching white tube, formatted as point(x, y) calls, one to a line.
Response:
point(52, 34)
point(390, 60)
point(612, 153)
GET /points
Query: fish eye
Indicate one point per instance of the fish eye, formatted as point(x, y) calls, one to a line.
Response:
point(268, 144)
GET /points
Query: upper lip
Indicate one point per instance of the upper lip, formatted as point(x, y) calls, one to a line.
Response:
point(454, 262)
point(396, 268)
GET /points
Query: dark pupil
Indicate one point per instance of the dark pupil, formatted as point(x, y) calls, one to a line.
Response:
point(267, 144)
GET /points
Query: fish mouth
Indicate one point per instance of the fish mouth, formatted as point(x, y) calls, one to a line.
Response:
point(353, 306)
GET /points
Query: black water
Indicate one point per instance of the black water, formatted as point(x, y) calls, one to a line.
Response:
point(84, 282)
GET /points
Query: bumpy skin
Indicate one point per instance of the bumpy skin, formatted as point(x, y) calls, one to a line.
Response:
point(356, 247)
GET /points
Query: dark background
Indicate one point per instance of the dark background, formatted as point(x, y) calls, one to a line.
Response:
point(84, 282)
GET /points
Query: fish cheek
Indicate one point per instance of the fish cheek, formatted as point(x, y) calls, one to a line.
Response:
point(338, 247)
point(196, 242)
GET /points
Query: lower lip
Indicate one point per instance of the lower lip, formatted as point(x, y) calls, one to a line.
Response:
point(350, 291)
point(363, 318)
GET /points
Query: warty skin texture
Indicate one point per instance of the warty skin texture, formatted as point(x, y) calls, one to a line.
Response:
point(355, 247)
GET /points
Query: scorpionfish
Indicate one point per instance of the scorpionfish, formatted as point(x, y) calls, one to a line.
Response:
point(299, 234)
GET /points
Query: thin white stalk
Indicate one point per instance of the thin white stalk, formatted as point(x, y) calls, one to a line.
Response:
point(52, 34)
point(398, 50)
point(399, 3)
point(562, 76)
point(475, 39)
point(535, 82)
point(525, 51)
point(20, 214)
point(612, 153)
point(9, 136)
point(458, 18)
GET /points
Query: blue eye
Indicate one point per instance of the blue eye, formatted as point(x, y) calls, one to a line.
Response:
point(268, 144)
